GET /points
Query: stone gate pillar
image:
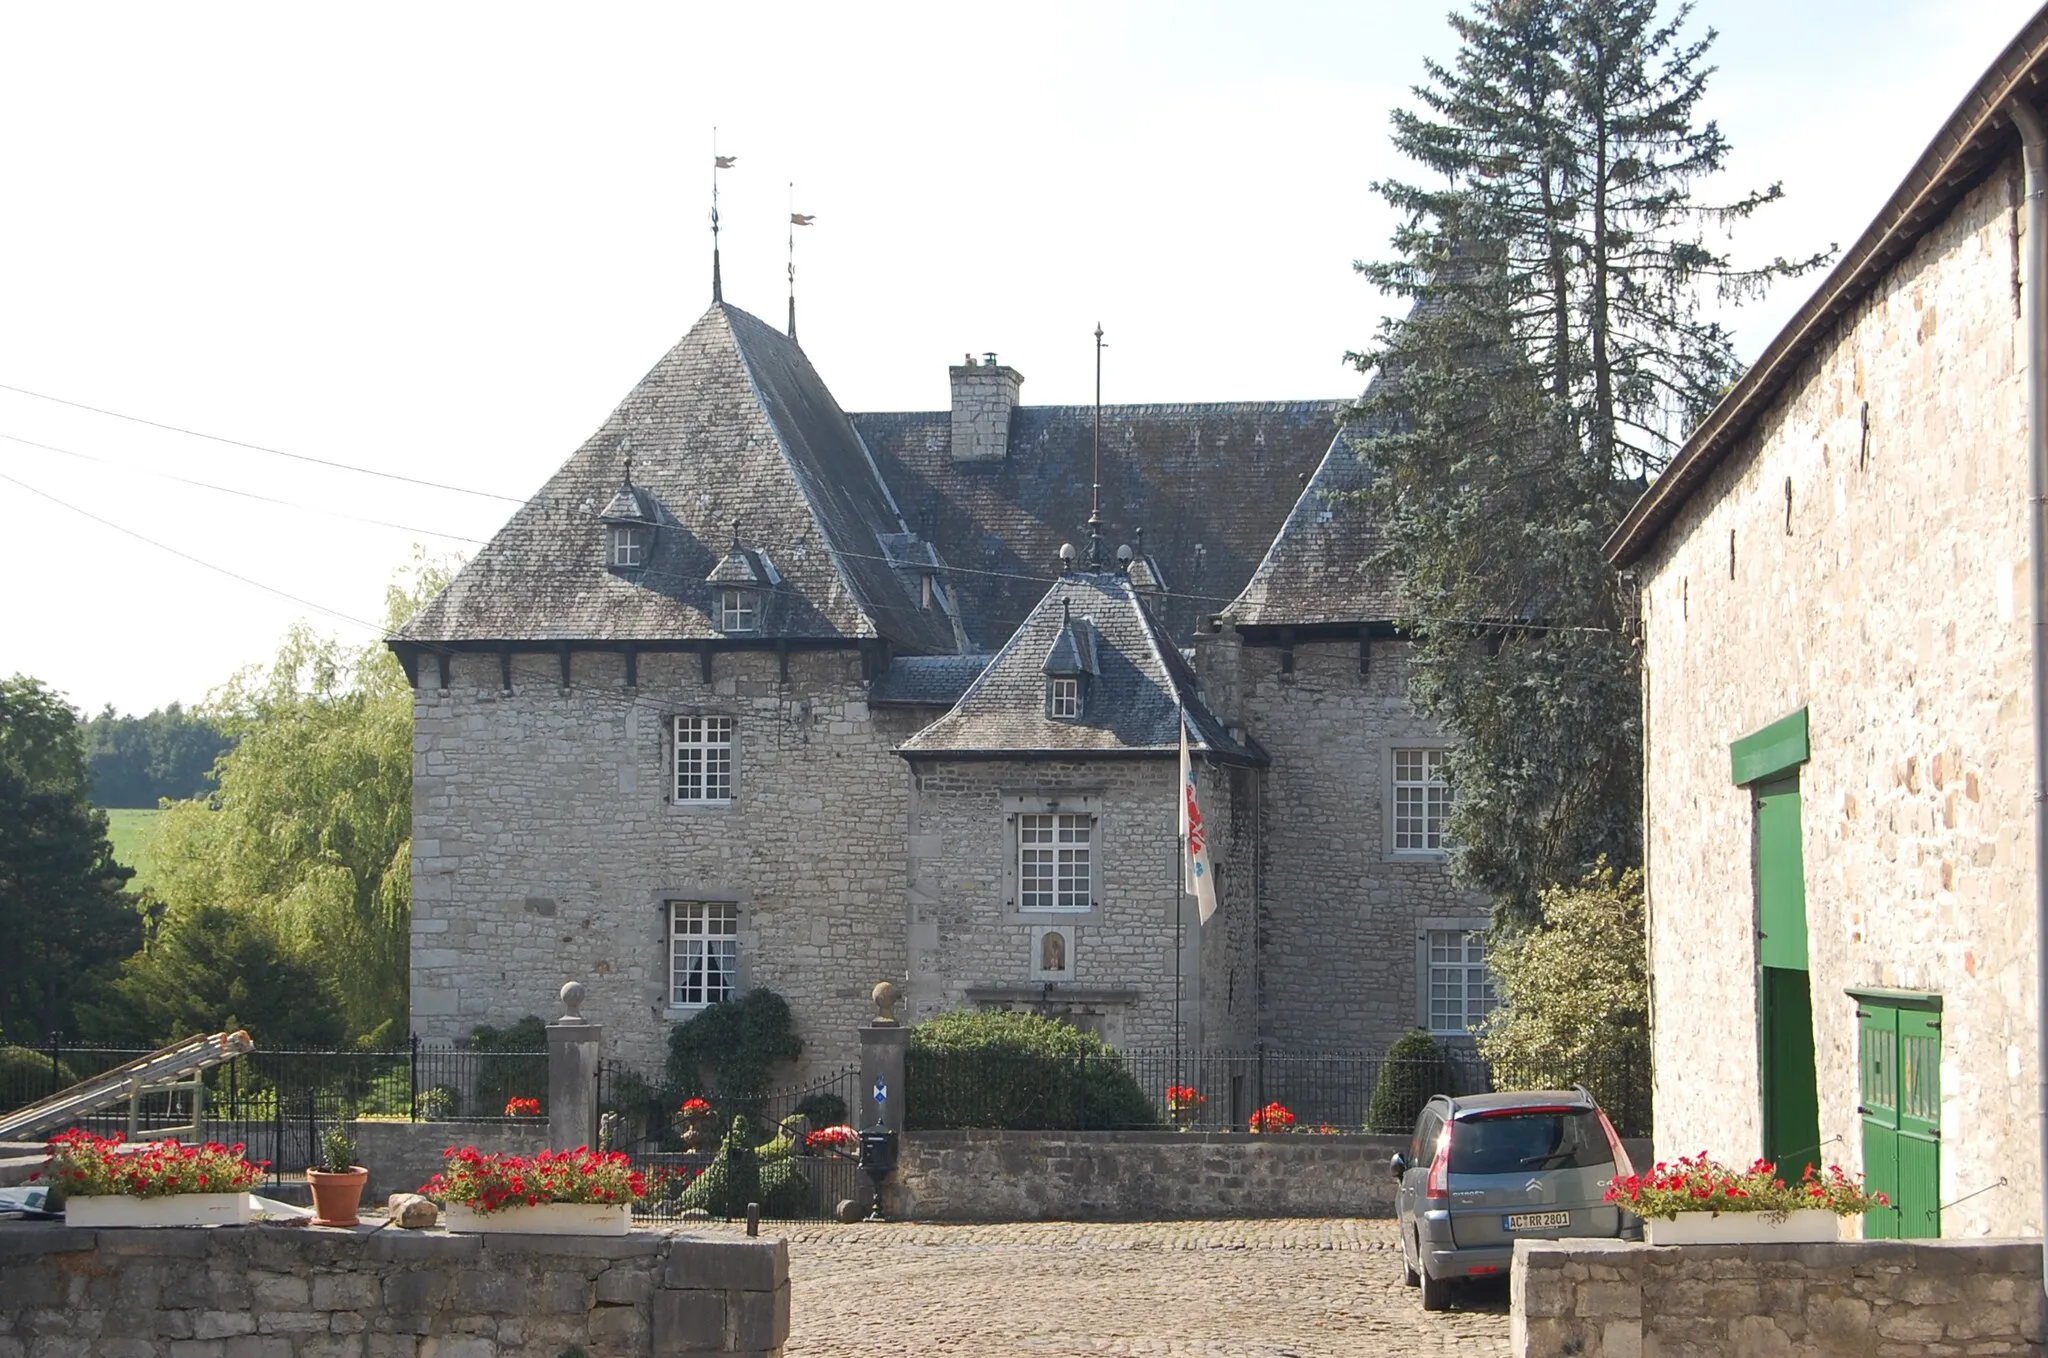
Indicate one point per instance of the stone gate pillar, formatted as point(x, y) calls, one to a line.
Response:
point(573, 1043)
point(883, 1042)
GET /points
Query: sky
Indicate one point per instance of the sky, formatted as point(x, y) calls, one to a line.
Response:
point(441, 242)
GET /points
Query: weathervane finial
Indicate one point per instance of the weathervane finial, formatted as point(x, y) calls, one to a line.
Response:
point(718, 163)
point(1095, 490)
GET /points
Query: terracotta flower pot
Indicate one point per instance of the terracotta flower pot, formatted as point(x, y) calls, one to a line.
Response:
point(337, 1196)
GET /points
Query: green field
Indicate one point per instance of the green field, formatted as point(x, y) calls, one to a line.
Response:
point(132, 831)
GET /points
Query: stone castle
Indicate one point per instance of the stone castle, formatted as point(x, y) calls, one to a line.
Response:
point(755, 692)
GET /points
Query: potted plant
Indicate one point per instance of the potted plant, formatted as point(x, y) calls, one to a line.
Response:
point(337, 1181)
point(1699, 1201)
point(1274, 1117)
point(1184, 1104)
point(578, 1192)
point(107, 1183)
point(522, 1108)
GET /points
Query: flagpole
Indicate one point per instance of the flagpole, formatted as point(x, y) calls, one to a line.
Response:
point(1179, 884)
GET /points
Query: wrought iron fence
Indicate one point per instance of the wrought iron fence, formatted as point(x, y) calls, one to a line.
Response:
point(278, 1103)
point(1222, 1090)
point(710, 1163)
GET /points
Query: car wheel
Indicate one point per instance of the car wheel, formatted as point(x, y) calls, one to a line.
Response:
point(1409, 1276)
point(1436, 1292)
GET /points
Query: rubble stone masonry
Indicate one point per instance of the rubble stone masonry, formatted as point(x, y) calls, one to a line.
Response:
point(1863, 555)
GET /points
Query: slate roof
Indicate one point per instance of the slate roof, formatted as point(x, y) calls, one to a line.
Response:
point(732, 424)
point(1129, 706)
point(926, 680)
point(1209, 484)
point(1324, 565)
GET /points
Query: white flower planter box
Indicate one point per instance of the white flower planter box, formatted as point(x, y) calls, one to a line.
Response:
point(547, 1218)
point(1743, 1228)
point(177, 1209)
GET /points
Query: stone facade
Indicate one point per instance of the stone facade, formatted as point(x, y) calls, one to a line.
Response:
point(546, 842)
point(1607, 1299)
point(1862, 555)
point(1338, 908)
point(273, 1292)
point(1139, 1176)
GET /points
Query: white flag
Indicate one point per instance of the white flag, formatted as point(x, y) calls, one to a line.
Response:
point(1196, 879)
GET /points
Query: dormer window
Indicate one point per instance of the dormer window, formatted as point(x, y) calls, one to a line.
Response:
point(737, 610)
point(1064, 700)
point(629, 544)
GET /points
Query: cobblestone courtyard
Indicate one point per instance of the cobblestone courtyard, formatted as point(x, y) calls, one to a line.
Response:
point(1251, 1289)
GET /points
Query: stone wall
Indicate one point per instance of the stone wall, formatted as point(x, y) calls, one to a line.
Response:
point(971, 946)
point(277, 1292)
point(1342, 914)
point(1606, 1299)
point(403, 1155)
point(1139, 1176)
point(545, 842)
point(1863, 554)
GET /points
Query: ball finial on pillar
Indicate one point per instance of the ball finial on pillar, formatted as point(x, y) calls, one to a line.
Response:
point(886, 998)
point(572, 1002)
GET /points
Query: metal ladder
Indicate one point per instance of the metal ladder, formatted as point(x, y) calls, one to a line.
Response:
point(130, 1082)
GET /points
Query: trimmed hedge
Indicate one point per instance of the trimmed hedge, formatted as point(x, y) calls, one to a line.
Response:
point(1413, 1073)
point(1017, 1071)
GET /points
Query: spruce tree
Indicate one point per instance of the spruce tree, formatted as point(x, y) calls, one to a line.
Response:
point(1554, 353)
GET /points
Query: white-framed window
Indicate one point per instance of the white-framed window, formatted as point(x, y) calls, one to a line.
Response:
point(704, 759)
point(629, 545)
point(703, 953)
point(1457, 987)
point(1055, 862)
point(1421, 801)
point(737, 611)
point(1066, 698)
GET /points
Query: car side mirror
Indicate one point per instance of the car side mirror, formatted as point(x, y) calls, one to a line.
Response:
point(1399, 1164)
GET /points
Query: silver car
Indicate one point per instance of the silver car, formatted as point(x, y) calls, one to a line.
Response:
point(1486, 1170)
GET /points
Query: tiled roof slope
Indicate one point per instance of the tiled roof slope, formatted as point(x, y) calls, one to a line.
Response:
point(926, 680)
point(1217, 476)
point(732, 424)
point(1324, 565)
point(1131, 705)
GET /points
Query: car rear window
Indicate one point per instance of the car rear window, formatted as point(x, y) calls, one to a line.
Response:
point(1517, 1142)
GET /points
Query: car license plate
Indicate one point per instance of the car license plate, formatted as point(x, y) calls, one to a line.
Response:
point(1538, 1221)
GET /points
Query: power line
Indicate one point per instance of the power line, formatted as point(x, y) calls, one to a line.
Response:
point(245, 494)
point(197, 561)
point(259, 448)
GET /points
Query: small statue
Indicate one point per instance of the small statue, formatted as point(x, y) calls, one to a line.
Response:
point(887, 997)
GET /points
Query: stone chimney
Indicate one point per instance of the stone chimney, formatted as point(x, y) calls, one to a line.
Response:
point(984, 394)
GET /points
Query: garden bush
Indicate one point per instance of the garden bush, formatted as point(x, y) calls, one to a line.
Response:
point(1413, 1073)
point(732, 1048)
point(509, 1072)
point(744, 1173)
point(25, 1076)
point(998, 1069)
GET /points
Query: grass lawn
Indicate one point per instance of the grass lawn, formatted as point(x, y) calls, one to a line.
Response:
point(132, 831)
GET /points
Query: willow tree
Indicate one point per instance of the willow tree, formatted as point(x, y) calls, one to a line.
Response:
point(1557, 265)
point(310, 827)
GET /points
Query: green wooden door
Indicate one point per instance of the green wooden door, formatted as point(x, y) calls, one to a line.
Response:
point(1901, 1112)
point(1780, 875)
point(1878, 1037)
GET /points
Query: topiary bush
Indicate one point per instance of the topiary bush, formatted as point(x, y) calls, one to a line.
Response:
point(744, 1173)
point(824, 1110)
point(732, 1048)
point(992, 1068)
point(1413, 1073)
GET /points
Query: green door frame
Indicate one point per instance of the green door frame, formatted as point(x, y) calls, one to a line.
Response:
point(1767, 762)
point(1899, 1053)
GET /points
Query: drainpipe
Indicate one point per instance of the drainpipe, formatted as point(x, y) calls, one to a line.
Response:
point(2034, 140)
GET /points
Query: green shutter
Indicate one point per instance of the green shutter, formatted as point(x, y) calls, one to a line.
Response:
point(1780, 876)
point(1791, 1101)
point(1899, 1041)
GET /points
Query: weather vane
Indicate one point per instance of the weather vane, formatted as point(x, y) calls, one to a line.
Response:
point(796, 219)
point(718, 163)
point(1095, 491)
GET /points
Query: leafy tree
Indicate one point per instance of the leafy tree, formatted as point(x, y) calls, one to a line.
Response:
point(64, 917)
point(1554, 354)
point(1575, 994)
point(311, 826)
point(214, 968)
point(139, 761)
